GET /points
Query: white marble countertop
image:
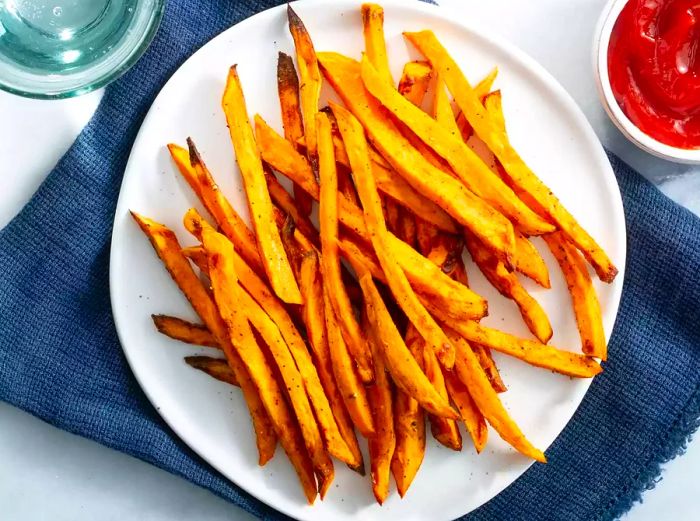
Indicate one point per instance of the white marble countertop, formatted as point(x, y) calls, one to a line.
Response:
point(50, 474)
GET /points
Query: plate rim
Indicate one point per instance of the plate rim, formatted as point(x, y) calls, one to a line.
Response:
point(502, 44)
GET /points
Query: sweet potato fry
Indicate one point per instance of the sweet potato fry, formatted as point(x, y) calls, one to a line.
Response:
point(468, 166)
point(288, 92)
point(168, 249)
point(471, 416)
point(184, 331)
point(292, 207)
point(583, 295)
point(292, 121)
point(311, 285)
point(229, 298)
point(508, 285)
point(330, 261)
point(529, 262)
point(473, 377)
point(463, 205)
point(444, 430)
point(530, 351)
point(197, 175)
point(310, 89)
point(522, 179)
point(217, 368)
point(415, 80)
point(272, 253)
point(404, 370)
point(482, 89)
point(356, 146)
point(409, 429)
point(349, 383)
point(375, 46)
point(382, 445)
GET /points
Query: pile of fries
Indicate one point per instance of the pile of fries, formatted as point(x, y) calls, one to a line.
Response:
point(367, 323)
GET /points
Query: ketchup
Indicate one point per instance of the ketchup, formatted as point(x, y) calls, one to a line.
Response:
point(654, 68)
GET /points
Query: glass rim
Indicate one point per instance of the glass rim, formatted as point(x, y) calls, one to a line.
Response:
point(85, 81)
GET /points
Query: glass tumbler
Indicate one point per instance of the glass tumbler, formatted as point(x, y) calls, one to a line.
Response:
point(64, 48)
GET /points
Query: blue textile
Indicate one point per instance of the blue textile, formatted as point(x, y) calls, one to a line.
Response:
point(60, 358)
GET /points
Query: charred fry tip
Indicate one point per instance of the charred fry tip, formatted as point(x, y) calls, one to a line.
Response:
point(360, 469)
point(294, 20)
point(195, 157)
point(158, 321)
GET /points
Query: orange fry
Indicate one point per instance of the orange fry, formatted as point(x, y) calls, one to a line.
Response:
point(382, 445)
point(375, 46)
point(442, 110)
point(530, 351)
point(184, 331)
point(473, 377)
point(292, 121)
point(482, 89)
point(310, 89)
point(292, 207)
point(583, 295)
point(409, 428)
point(217, 368)
point(330, 261)
point(272, 253)
point(529, 262)
point(508, 285)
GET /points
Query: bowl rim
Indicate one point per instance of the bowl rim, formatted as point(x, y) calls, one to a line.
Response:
point(603, 32)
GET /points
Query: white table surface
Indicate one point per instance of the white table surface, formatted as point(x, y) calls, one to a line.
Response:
point(49, 474)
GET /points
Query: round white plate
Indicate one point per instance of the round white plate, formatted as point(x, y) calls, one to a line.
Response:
point(546, 127)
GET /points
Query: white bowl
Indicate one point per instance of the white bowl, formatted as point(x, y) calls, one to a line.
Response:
point(607, 20)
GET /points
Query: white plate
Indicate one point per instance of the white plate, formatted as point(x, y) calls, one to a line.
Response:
point(546, 127)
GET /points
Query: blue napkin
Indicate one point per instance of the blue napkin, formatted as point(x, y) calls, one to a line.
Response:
point(60, 358)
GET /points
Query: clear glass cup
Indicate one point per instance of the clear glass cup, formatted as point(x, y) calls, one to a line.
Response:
point(63, 48)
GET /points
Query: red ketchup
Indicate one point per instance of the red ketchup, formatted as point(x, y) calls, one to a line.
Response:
point(654, 68)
